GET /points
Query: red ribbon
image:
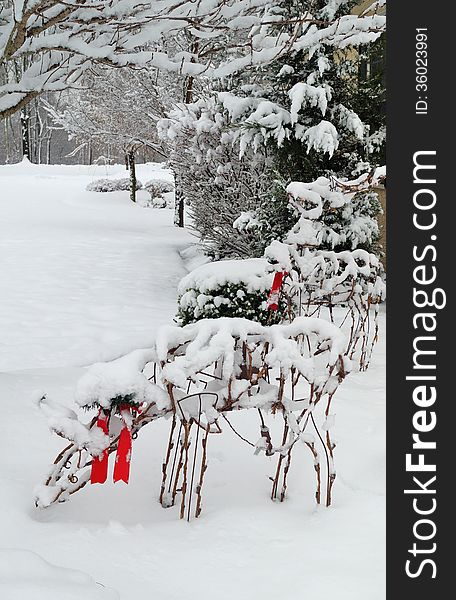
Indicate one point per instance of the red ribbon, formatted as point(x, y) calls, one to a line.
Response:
point(273, 298)
point(123, 456)
point(99, 472)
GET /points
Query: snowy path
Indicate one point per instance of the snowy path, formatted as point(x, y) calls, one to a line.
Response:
point(244, 547)
point(85, 276)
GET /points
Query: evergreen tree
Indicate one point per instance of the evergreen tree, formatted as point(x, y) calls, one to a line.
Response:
point(291, 118)
point(354, 86)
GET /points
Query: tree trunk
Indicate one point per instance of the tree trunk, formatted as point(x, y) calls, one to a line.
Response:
point(6, 123)
point(39, 129)
point(25, 138)
point(179, 202)
point(48, 148)
point(132, 166)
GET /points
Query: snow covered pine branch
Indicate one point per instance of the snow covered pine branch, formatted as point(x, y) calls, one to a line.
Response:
point(46, 45)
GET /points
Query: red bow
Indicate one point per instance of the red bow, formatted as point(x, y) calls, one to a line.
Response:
point(99, 472)
point(123, 456)
point(273, 298)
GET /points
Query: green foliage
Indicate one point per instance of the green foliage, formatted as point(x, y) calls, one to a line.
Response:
point(355, 224)
point(275, 215)
point(358, 83)
point(117, 402)
point(292, 159)
point(228, 300)
point(346, 228)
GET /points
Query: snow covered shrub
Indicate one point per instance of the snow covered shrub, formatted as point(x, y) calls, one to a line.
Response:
point(123, 185)
point(101, 185)
point(345, 287)
point(217, 184)
point(112, 185)
point(158, 202)
point(231, 288)
point(161, 193)
point(317, 279)
point(304, 110)
point(344, 212)
point(158, 187)
point(196, 376)
point(353, 224)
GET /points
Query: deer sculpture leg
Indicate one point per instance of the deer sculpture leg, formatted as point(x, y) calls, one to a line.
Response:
point(185, 465)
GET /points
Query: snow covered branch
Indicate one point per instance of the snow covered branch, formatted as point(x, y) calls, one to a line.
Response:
point(46, 45)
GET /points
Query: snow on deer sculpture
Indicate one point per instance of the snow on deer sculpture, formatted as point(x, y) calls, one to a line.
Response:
point(198, 374)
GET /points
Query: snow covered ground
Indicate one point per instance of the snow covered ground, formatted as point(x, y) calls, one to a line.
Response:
point(87, 277)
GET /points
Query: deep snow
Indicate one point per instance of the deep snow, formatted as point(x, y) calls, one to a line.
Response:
point(86, 277)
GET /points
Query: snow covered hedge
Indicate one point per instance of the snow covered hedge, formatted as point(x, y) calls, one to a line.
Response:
point(158, 187)
point(229, 288)
point(112, 185)
point(161, 193)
